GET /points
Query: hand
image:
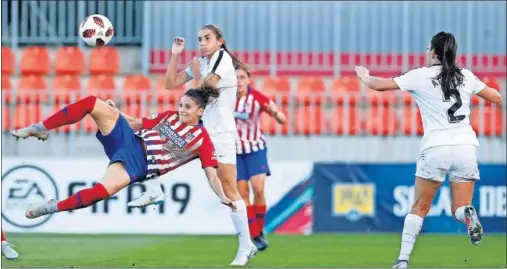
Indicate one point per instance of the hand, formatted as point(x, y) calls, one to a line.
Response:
point(195, 65)
point(111, 103)
point(361, 71)
point(178, 45)
point(228, 202)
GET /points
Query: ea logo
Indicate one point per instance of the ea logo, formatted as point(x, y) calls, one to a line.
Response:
point(22, 187)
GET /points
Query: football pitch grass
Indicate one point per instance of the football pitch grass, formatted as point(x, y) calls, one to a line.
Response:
point(318, 250)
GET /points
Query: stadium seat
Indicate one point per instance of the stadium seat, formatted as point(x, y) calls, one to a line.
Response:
point(6, 89)
point(8, 61)
point(493, 123)
point(270, 126)
point(377, 98)
point(380, 121)
point(169, 97)
point(343, 120)
point(102, 86)
point(6, 118)
point(35, 61)
point(104, 60)
point(66, 89)
point(310, 91)
point(308, 120)
point(136, 88)
point(32, 88)
point(346, 84)
point(277, 89)
point(27, 114)
point(411, 123)
point(492, 83)
point(69, 61)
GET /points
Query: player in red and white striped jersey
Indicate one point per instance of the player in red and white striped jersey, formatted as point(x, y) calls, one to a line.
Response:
point(138, 148)
point(251, 157)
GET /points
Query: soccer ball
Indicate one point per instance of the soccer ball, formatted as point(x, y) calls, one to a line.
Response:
point(96, 30)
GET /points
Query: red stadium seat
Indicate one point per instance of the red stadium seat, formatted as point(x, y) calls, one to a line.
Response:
point(6, 118)
point(27, 114)
point(493, 123)
point(380, 121)
point(377, 98)
point(169, 97)
point(6, 89)
point(277, 88)
point(35, 61)
point(136, 88)
point(104, 60)
point(308, 121)
point(269, 124)
point(343, 121)
point(32, 89)
point(66, 89)
point(412, 121)
point(69, 61)
point(8, 61)
point(346, 84)
point(310, 91)
point(102, 86)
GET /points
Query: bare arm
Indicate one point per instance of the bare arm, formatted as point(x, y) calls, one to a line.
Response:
point(216, 185)
point(375, 83)
point(490, 95)
point(276, 113)
point(173, 79)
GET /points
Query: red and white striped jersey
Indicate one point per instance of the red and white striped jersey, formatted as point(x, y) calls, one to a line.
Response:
point(171, 144)
point(247, 113)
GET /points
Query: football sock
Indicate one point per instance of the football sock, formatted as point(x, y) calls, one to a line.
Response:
point(69, 114)
point(260, 213)
point(83, 198)
point(252, 222)
point(240, 221)
point(411, 229)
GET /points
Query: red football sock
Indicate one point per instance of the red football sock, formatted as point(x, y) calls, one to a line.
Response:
point(71, 113)
point(252, 222)
point(84, 198)
point(3, 236)
point(260, 213)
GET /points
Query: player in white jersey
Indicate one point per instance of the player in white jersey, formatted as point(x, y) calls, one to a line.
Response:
point(443, 92)
point(216, 66)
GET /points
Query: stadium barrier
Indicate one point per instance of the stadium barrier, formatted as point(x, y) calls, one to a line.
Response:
point(303, 197)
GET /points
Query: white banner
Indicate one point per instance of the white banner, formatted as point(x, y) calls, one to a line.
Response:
point(191, 207)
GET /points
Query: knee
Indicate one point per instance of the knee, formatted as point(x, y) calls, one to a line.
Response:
point(258, 193)
point(420, 208)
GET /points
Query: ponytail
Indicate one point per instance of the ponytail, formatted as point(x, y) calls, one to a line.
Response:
point(450, 77)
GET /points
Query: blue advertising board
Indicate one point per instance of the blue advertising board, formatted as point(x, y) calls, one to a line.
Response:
point(377, 197)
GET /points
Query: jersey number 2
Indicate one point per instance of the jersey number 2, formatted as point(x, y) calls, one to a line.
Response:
point(450, 112)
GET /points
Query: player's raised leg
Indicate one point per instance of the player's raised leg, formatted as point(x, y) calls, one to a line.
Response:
point(462, 191)
point(152, 195)
point(425, 190)
point(115, 179)
point(104, 115)
point(7, 251)
point(255, 232)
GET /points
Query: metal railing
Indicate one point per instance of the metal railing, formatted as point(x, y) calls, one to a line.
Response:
point(29, 22)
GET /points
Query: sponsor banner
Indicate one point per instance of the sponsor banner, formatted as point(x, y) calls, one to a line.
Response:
point(190, 207)
point(377, 197)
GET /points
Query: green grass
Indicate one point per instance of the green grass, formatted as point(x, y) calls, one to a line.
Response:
point(320, 250)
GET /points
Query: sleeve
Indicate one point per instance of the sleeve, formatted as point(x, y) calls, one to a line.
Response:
point(207, 152)
point(263, 100)
point(477, 85)
point(152, 120)
point(408, 80)
point(189, 72)
point(220, 64)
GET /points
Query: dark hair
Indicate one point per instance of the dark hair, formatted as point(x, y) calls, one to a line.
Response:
point(220, 35)
point(204, 95)
point(445, 47)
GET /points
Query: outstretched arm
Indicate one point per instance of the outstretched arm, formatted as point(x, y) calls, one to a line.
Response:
point(375, 83)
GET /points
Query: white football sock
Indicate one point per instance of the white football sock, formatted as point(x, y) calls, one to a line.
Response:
point(240, 221)
point(459, 214)
point(153, 186)
point(411, 229)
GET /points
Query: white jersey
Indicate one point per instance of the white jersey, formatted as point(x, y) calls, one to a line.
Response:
point(446, 119)
point(219, 116)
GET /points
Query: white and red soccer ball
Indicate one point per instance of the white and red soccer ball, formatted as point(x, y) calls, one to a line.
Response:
point(96, 30)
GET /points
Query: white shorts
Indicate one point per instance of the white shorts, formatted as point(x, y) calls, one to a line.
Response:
point(458, 161)
point(225, 147)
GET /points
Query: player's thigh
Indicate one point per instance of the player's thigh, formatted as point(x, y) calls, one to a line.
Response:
point(105, 117)
point(463, 174)
point(433, 163)
point(424, 192)
point(115, 178)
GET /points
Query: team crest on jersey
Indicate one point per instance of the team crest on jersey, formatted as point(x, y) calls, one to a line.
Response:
point(189, 136)
point(152, 116)
point(242, 115)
